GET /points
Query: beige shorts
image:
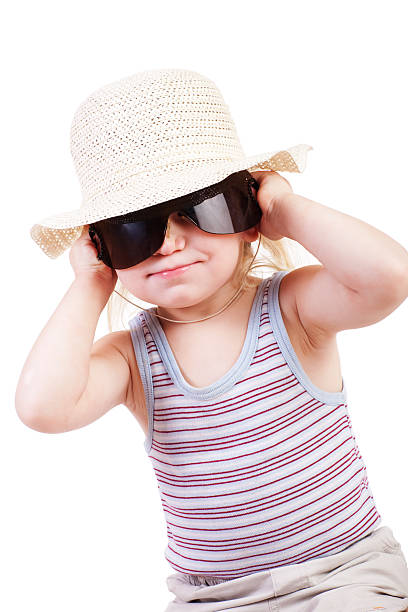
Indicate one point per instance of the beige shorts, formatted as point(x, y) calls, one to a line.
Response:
point(371, 574)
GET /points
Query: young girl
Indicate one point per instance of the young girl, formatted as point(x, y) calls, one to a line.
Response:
point(234, 379)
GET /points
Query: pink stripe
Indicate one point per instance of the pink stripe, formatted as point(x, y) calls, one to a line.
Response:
point(286, 493)
point(171, 481)
point(250, 416)
point(279, 550)
point(222, 495)
point(248, 454)
point(273, 430)
point(352, 493)
point(349, 537)
point(289, 533)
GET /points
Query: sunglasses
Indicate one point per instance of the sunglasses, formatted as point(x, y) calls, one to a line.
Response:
point(227, 207)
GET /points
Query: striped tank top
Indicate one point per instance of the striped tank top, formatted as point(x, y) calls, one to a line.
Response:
point(259, 469)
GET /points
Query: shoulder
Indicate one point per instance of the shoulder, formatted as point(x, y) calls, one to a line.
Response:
point(122, 340)
point(289, 288)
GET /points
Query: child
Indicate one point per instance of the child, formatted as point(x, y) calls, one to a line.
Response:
point(234, 378)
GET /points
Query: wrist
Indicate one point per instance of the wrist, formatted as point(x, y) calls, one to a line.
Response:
point(282, 213)
point(98, 287)
point(276, 218)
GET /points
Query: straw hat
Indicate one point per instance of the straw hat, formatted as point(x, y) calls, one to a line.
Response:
point(147, 138)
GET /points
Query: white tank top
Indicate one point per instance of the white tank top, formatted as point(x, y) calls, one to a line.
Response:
point(259, 469)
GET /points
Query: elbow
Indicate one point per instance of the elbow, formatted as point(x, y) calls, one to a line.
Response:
point(36, 414)
point(36, 420)
point(26, 411)
point(29, 417)
point(40, 425)
point(390, 288)
point(398, 286)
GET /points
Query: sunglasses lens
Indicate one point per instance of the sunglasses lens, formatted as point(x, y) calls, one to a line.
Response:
point(126, 244)
point(232, 211)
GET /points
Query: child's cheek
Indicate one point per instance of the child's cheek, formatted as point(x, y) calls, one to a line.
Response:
point(132, 280)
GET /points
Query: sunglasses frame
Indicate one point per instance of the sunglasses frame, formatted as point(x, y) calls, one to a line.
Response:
point(181, 205)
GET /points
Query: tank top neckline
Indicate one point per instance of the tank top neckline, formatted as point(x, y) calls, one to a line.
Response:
point(224, 383)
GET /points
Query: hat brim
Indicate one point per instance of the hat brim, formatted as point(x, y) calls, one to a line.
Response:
point(56, 233)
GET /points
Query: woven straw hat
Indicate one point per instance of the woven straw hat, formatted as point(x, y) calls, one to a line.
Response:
point(148, 138)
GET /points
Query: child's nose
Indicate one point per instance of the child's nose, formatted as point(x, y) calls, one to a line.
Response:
point(174, 238)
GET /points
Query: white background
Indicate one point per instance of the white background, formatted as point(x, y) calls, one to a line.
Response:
point(81, 523)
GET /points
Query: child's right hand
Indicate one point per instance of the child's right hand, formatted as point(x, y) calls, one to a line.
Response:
point(84, 261)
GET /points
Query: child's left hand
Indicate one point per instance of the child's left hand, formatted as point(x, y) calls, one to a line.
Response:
point(271, 187)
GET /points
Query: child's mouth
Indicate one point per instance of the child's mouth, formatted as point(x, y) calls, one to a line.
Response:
point(174, 272)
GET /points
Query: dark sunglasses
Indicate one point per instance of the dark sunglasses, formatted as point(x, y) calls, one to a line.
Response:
point(227, 207)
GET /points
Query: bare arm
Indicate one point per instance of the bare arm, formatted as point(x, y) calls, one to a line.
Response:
point(356, 254)
point(56, 370)
point(364, 272)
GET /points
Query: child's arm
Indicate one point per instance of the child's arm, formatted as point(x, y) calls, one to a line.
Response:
point(364, 272)
point(67, 381)
point(57, 369)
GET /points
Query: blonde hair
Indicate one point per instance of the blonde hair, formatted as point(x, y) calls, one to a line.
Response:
point(277, 256)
